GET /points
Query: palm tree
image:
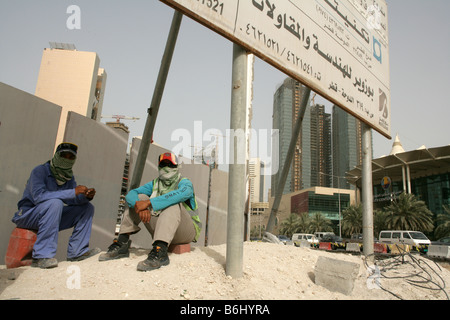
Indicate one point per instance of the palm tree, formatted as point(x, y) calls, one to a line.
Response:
point(289, 226)
point(304, 223)
point(257, 231)
point(320, 223)
point(408, 213)
point(443, 228)
point(352, 220)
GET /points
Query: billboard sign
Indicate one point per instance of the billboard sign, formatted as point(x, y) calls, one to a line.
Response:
point(338, 48)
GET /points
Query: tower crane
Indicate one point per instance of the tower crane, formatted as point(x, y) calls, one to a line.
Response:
point(119, 117)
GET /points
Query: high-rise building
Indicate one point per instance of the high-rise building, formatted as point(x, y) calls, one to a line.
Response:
point(286, 107)
point(262, 183)
point(347, 146)
point(73, 80)
point(320, 150)
point(312, 165)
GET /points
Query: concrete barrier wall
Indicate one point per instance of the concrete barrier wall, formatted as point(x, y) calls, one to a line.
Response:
point(100, 163)
point(28, 128)
point(218, 209)
point(199, 175)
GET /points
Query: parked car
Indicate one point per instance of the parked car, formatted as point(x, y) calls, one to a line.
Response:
point(297, 237)
point(413, 238)
point(442, 242)
point(284, 239)
point(356, 238)
point(320, 235)
point(336, 241)
point(331, 238)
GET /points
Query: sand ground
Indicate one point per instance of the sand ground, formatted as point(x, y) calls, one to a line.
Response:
point(270, 272)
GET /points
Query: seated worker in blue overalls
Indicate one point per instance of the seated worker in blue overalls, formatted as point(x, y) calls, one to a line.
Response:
point(52, 202)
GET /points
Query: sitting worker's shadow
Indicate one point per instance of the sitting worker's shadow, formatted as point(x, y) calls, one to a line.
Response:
point(8, 276)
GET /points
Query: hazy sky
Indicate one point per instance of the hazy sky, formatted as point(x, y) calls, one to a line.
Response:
point(130, 36)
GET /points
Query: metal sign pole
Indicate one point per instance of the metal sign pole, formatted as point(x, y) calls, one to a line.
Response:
point(156, 101)
point(367, 193)
point(236, 178)
point(288, 161)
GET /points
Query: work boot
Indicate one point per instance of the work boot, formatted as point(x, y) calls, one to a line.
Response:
point(44, 263)
point(156, 259)
point(117, 250)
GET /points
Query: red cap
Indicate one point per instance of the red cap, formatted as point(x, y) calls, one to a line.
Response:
point(168, 156)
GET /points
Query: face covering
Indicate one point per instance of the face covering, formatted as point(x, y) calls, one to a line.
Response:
point(168, 179)
point(61, 168)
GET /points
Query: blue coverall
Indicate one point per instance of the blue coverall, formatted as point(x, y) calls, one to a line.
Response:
point(49, 208)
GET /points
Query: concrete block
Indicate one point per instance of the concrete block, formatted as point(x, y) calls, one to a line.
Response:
point(353, 247)
point(336, 275)
point(439, 251)
point(303, 244)
point(180, 248)
point(399, 248)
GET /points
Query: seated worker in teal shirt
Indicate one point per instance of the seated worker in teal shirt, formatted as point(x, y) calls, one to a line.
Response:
point(168, 209)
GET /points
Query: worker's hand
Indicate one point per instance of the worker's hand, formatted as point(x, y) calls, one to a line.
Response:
point(142, 205)
point(145, 216)
point(80, 190)
point(90, 193)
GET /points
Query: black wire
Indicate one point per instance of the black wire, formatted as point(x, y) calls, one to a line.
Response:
point(419, 270)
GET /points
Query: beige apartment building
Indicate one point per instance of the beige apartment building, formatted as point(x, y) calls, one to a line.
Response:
point(73, 80)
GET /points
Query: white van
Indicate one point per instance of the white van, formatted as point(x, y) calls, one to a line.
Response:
point(297, 237)
point(413, 238)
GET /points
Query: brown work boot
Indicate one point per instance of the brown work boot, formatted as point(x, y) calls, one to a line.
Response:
point(116, 250)
point(156, 259)
point(45, 263)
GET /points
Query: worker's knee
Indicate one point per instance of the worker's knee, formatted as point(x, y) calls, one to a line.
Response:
point(88, 209)
point(53, 204)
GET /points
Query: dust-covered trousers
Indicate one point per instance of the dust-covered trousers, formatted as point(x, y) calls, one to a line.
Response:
point(52, 216)
point(174, 225)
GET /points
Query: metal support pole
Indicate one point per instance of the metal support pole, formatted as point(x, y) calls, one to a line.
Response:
point(287, 164)
point(156, 101)
point(237, 178)
point(367, 194)
point(404, 179)
point(408, 179)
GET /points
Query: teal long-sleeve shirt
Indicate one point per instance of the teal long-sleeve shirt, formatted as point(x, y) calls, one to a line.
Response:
point(184, 192)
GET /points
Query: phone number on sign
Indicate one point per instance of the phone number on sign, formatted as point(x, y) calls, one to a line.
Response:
point(214, 5)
